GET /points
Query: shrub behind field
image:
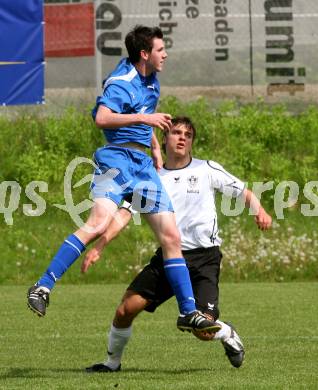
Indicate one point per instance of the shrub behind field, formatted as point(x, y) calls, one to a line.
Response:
point(254, 142)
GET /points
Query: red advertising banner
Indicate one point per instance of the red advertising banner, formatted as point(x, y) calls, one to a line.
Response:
point(69, 30)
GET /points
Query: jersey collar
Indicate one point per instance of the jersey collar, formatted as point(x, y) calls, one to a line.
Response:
point(177, 169)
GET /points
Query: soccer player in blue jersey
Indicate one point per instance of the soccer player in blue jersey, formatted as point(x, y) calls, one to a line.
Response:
point(126, 113)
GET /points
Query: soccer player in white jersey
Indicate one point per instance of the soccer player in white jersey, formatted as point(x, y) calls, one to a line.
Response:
point(191, 184)
point(126, 113)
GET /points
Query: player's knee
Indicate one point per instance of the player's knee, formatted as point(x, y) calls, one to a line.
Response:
point(99, 218)
point(125, 313)
point(121, 319)
point(99, 224)
point(171, 239)
point(121, 313)
point(95, 227)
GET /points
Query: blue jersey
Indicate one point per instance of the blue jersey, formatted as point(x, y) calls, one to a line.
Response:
point(128, 92)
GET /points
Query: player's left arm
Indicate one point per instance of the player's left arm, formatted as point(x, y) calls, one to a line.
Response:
point(262, 219)
point(156, 152)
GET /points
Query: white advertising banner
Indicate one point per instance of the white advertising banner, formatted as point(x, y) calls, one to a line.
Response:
point(268, 45)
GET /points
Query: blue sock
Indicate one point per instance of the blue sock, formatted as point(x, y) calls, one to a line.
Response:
point(69, 251)
point(178, 276)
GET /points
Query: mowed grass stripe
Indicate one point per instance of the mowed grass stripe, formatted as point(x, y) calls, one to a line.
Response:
point(278, 324)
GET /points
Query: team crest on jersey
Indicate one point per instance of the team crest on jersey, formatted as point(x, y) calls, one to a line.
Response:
point(193, 182)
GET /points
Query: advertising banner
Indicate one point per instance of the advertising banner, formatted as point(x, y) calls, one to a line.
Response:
point(264, 45)
point(21, 53)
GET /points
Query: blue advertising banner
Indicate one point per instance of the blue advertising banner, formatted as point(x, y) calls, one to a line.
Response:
point(21, 52)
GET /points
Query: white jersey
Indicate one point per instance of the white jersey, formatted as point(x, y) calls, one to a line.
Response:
point(192, 191)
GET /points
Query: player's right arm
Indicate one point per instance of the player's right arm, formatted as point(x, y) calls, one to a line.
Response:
point(118, 223)
point(108, 119)
point(156, 152)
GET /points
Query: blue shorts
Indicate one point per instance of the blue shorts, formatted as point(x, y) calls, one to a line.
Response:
point(129, 174)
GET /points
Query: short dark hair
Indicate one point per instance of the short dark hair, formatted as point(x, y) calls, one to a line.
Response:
point(182, 121)
point(141, 38)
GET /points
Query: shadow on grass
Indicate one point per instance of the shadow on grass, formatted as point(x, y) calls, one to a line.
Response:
point(16, 372)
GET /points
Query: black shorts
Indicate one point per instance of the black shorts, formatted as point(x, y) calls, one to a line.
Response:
point(204, 268)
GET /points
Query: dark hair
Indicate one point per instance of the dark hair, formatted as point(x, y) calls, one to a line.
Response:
point(141, 38)
point(182, 121)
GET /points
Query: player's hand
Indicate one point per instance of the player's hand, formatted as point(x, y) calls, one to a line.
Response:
point(157, 158)
point(92, 256)
point(160, 120)
point(263, 220)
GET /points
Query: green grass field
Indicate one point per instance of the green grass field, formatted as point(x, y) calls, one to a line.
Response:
point(277, 322)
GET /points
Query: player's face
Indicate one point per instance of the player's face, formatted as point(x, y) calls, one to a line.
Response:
point(157, 56)
point(179, 141)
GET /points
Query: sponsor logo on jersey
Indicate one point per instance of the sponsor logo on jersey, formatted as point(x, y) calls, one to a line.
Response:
point(177, 179)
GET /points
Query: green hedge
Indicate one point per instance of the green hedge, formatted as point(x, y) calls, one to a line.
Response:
point(255, 142)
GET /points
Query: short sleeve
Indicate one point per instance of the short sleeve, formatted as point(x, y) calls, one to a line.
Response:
point(223, 181)
point(116, 98)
